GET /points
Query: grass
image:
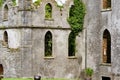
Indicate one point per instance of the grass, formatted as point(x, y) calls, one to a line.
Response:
point(33, 79)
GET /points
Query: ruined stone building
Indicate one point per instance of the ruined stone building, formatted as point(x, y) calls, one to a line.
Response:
point(25, 30)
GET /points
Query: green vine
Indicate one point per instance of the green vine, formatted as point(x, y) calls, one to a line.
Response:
point(14, 2)
point(76, 16)
point(1, 3)
point(48, 11)
point(76, 20)
point(37, 3)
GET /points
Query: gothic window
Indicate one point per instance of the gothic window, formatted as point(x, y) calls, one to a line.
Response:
point(106, 4)
point(6, 37)
point(48, 44)
point(48, 11)
point(71, 45)
point(5, 12)
point(106, 47)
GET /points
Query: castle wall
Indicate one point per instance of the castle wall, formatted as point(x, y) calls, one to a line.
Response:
point(26, 27)
point(59, 65)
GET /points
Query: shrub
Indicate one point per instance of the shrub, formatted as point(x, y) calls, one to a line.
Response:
point(89, 72)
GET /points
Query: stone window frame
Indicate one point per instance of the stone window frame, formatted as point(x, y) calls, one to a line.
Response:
point(106, 47)
point(1, 71)
point(50, 56)
point(106, 8)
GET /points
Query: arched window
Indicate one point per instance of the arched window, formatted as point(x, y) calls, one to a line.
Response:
point(48, 11)
point(71, 45)
point(48, 44)
point(106, 47)
point(5, 12)
point(6, 37)
point(106, 4)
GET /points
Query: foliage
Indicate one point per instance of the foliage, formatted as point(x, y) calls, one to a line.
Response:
point(72, 45)
point(1, 2)
point(76, 20)
point(37, 3)
point(76, 16)
point(89, 72)
point(48, 11)
point(14, 2)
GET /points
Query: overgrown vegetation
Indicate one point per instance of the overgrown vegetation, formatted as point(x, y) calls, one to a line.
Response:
point(37, 3)
point(89, 72)
point(76, 16)
point(48, 44)
point(2, 1)
point(14, 2)
point(76, 20)
point(48, 11)
point(72, 45)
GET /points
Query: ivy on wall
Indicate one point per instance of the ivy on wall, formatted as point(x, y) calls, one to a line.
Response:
point(76, 16)
point(14, 2)
point(48, 11)
point(2, 1)
point(37, 3)
point(76, 20)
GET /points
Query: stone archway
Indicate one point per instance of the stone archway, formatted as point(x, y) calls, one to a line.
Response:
point(1, 71)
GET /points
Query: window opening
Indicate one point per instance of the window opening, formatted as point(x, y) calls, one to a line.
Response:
point(6, 12)
point(71, 45)
point(106, 4)
point(48, 44)
point(48, 11)
point(1, 71)
point(106, 47)
point(106, 78)
point(6, 37)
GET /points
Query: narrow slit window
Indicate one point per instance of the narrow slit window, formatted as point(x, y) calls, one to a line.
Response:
point(48, 11)
point(71, 45)
point(6, 12)
point(6, 37)
point(48, 44)
point(106, 47)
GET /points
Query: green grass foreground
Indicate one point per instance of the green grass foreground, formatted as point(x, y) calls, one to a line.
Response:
point(33, 79)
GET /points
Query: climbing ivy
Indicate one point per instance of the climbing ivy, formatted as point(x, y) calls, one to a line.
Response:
point(48, 11)
point(76, 20)
point(14, 2)
point(1, 2)
point(76, 16)
point(37, 3)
